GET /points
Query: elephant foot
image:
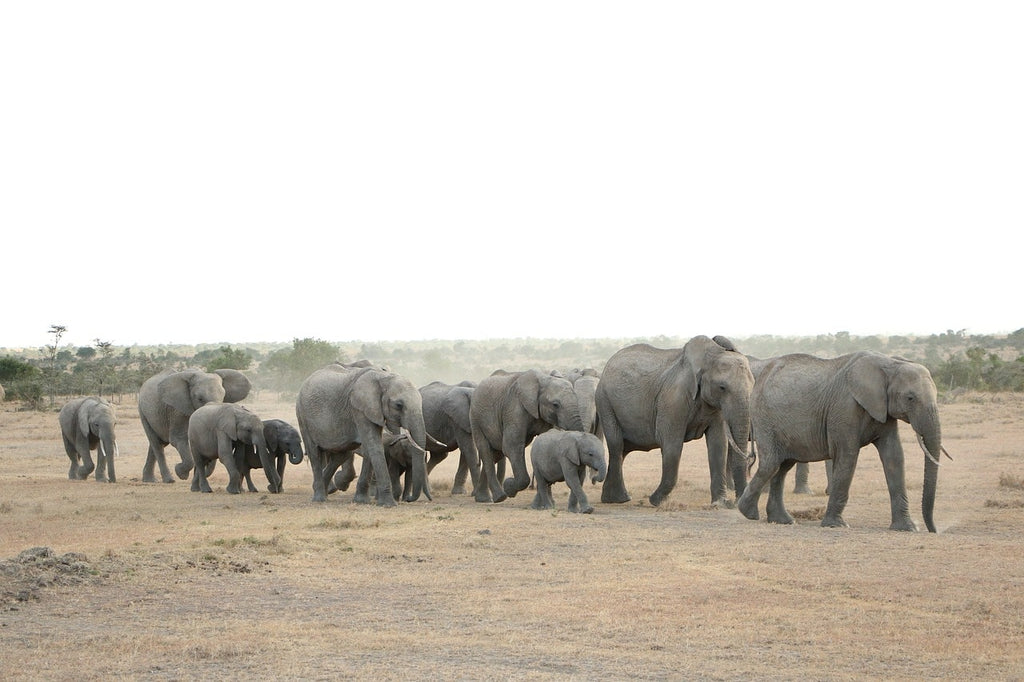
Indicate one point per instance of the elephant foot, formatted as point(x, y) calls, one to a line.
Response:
point(510, 488)
point(459, 490)
point(834, 521)
point(361, 498)
point(803, 490)
point(484, 497)
point(782, 517)
point(182, 470)
point(539, 504)
point(903, 525)
point(583, 510)
point(615, 496)
point(656, 498)
point(723, 503)
point(386, 501)
point(748, 507)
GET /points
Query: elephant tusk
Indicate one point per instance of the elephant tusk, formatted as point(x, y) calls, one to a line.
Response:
point(946, 453)
point(103, 451)
point(920, 441)
point(406, 434)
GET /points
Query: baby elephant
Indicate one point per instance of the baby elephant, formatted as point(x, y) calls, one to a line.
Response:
point(218, 431)
point(564, 456)
point(87, 424)
point(282, 438)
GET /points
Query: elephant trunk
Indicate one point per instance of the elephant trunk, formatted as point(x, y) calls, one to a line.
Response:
point(268, 461)
point(108, 448)
point(737, 422)
point(418, 434)
point(600, 469)
point(295, 455)
point(930, 434)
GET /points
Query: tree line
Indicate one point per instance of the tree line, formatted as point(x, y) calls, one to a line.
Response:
point(39, 377)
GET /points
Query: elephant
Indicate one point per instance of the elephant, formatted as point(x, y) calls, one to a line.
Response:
point(168, 399)
point(283, 441)
point(87, 424)
point(651, 397)
point(342, 410)
point(508, 410)
point(800, 485)
point(584, 381)
point(225, 431)
point(565, 456)
point(806, 409)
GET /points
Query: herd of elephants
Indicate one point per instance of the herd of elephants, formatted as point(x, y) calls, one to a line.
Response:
point(773, 412)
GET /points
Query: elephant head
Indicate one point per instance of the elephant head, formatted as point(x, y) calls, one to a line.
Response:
point(720, 378)
point(894, 388)
point(550, 399)
point(392, 402)
point(588, 450)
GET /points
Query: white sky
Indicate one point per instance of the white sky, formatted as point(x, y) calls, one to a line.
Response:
point(190, 172)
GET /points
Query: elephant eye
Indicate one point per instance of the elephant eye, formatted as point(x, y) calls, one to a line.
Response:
point(399, 405)
point(556, 404)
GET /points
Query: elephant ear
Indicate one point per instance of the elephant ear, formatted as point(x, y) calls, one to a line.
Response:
point(367, 396)
point(270, 435)
point(456, 407)
point(174, 392)
point(527, 389)
point(869, 386)
point(236, 384)
point(82, 415)
point(227, 422)
point(695, 354)
point(570, 451)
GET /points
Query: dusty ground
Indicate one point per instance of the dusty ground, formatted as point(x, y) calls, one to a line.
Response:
point(136, 580)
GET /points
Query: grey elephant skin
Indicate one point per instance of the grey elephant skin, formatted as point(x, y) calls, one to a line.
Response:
point(343, 410)
point(651, 397)
point(219, 431)
point(87, 424)
point(807, 409)
point(508, 411)
point(284, 444)
point(168, 399)
point(566, 456)
point(800, 485)
point(584, 382)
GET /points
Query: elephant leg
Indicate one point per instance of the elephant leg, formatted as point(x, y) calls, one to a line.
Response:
point(767, 466)
point(543, 499)
point(828, 476)
point(488, 489)
point(183, 467)
point(800, 487)
point(843, 465)
point(613, 490)
point(670, 454)
point(362, 495)
point(520, 479)
point(373, 450)
point(891, 453)
point(101, 465)
point(776, 508)
point(469, 465)
point(72, 452)
point(574, 477)
point(87, 466)
point(200, 483)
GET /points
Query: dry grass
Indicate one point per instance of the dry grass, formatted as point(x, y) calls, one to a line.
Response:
point(178, 585)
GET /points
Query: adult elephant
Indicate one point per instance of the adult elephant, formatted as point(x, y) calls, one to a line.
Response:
point(168, 399)
point(651, 397)
point(342, 410)
point(508, 410)
point(221, 431)
point(806, 409)
point(87, 424)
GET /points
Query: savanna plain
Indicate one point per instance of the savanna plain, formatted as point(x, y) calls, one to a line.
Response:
point(150, 580)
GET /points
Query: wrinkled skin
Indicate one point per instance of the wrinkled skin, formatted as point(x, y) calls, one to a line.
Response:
point(508, 410)
point(343, 410)
point(220, 431)
point(651, 398)
point(284, 444)
point(168, 399)
point(87, 424)
point(566, 456)
point(800, 485)
point(584, 382)
point(806, 409)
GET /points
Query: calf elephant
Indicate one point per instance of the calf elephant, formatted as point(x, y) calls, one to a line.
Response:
point(283, 442)
point(807, 409)
point(342, 410)
point(508, 410)
point(87, 424)
point(650, 398)
point(220, 431)
point(168, 399)
point(565, 456)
